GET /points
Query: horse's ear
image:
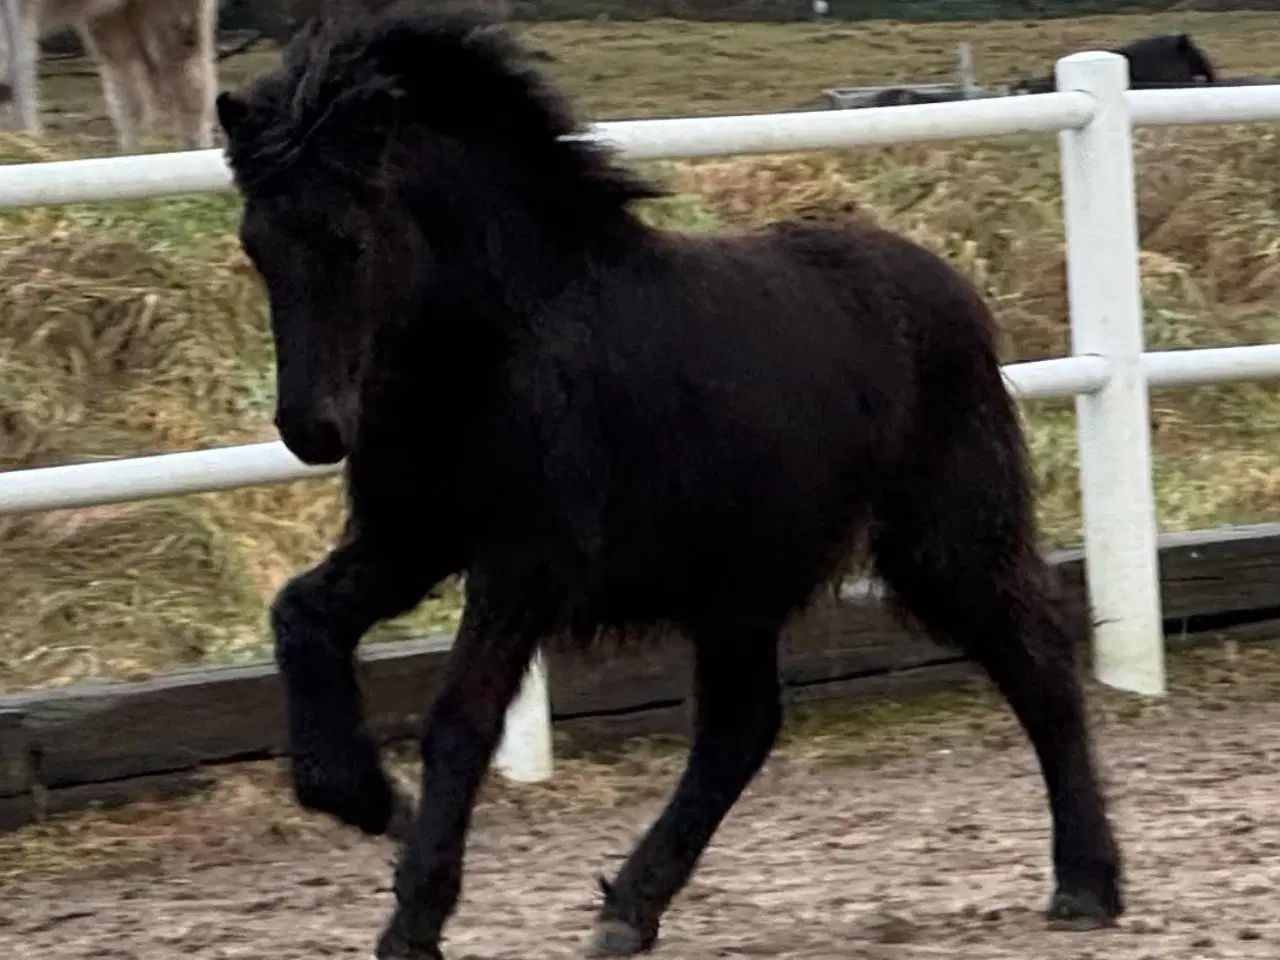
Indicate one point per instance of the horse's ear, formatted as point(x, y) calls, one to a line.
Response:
point(231, 112)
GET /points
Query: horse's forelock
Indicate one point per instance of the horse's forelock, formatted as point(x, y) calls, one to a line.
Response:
point(289, 104)
point(333, 67)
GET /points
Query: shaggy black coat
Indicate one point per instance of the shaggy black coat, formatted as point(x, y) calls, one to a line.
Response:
point(608, 425)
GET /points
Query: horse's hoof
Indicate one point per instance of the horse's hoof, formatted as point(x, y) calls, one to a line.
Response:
point(616, 938)
point(1081, 910)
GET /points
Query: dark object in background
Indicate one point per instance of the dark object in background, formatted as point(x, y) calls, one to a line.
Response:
point(1166, 60)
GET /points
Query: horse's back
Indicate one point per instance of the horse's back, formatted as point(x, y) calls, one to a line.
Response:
point(802, 341)
point(795, 334)
point(748, 398)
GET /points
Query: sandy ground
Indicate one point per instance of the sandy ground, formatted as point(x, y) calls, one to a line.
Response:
point(936, 848)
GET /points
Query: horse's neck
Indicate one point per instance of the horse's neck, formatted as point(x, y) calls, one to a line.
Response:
point(485, 287)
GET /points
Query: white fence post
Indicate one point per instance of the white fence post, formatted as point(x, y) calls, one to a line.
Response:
point(968, 80)
point(525, 753)
point(1105, 295)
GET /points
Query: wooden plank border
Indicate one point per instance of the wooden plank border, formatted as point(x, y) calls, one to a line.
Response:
point(109, 742)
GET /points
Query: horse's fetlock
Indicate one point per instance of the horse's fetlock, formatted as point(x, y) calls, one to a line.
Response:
point(617, 938)
point(620, 909)
point(349, 785)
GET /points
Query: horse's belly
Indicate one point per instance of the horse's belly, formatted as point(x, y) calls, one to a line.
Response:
point(758, 563)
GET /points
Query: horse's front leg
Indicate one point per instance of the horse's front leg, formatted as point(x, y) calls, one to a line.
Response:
point(115, 46)
point(499, 631)
point(318, 619)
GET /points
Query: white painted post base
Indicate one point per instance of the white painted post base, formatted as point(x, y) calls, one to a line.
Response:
point(525, 753)
point(1114, 427)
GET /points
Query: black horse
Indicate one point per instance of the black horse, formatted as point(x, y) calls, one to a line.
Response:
point(642, 427)
point(1168, 60)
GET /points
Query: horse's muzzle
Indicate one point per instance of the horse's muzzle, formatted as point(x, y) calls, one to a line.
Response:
point(316, 441)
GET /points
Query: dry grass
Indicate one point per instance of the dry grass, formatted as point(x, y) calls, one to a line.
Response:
point(137, 328)
point(638, 69)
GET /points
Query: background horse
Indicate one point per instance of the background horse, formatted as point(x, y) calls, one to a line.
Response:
point(154, 56)
point(1160, 61)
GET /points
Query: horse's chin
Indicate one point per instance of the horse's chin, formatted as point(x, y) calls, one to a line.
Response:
point(319, 447)
point(318, 434)
point(326, 459)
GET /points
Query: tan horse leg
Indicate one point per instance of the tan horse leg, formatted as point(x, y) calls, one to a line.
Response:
point(21, 27)
point(179, 38)
point(114, 43)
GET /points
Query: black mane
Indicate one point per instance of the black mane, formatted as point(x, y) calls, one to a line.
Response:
point(346, 87)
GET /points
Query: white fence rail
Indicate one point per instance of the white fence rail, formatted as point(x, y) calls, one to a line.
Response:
point(1108, 372)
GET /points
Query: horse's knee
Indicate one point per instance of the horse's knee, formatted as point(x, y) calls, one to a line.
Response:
point(306, 629)
point(316, 663)
point(335, 766)
point(290, 622)
point(290, 607)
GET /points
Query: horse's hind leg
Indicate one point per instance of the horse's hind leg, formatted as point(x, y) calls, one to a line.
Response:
point(199, 81)
point(21, 24)
point(318, 619)
point(956, 546)
point(737, 716)
point(113, 42)
point(180, 41)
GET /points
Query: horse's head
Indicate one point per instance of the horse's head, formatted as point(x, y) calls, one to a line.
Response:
point(339, 256)
point(335, 264)
point(381, 166)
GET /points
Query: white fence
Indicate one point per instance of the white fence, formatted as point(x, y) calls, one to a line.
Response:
point(1108, 372)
